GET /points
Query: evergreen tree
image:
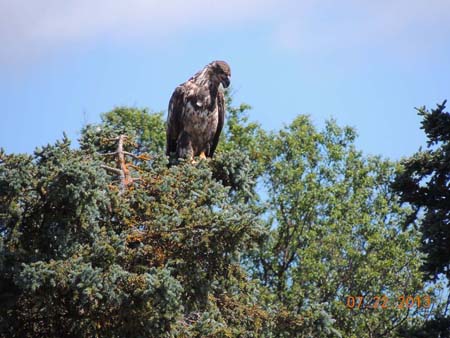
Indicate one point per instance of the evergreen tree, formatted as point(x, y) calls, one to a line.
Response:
point(424, 183)
point(265, 240)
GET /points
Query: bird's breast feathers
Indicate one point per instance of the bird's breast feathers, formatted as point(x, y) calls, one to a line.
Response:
point(197, 105)
point(200, 118)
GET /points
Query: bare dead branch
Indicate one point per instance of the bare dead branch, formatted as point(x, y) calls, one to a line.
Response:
point(108, 154)
point(122, 169)
point(111, 169)
point(126, 177)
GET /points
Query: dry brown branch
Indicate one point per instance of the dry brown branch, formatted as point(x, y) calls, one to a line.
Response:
point(122, 167)
point(126, 177)
point(137, 157)
point(122, 170)
point(111, 169)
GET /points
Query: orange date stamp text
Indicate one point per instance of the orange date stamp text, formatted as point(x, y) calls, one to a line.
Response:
point(387, 302)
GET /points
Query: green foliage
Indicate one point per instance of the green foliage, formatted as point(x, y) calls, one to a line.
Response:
point(83, 257)
point(335, 229)
point(423, 183)
point(147, 129)
point(265, 240)
point(243, 136)
point(65, 269)
point(439, 327)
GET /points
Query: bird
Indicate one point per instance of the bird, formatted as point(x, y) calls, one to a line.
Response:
point(196, 113)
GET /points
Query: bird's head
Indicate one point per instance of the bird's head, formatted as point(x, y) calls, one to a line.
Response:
point(220, 70)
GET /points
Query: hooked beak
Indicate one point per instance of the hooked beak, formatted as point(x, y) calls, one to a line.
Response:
point(226, 81)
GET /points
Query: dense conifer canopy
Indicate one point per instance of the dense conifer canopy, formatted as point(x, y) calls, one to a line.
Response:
point(267, 239)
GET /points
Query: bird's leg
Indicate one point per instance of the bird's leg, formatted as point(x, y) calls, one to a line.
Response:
point(202, 155)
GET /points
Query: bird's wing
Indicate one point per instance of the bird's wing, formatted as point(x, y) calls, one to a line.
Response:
point(174, 119)
point(221, 109)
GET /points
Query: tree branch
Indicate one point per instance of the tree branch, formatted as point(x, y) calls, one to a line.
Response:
point(122, 168)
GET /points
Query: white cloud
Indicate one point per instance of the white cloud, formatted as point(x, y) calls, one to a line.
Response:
point(330, 26)
point(28, 28)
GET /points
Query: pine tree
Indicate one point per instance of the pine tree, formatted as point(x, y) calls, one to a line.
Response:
point(265, 240)
point(424, 183)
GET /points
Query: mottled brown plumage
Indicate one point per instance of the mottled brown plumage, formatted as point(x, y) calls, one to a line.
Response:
point(196, 113)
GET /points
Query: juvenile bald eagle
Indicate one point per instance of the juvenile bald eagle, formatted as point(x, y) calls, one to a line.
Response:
point(196, 113)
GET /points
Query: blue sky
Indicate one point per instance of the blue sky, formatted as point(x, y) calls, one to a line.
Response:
point(365, 63)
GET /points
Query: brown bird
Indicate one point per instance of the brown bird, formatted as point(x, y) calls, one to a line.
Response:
point(196, 113)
